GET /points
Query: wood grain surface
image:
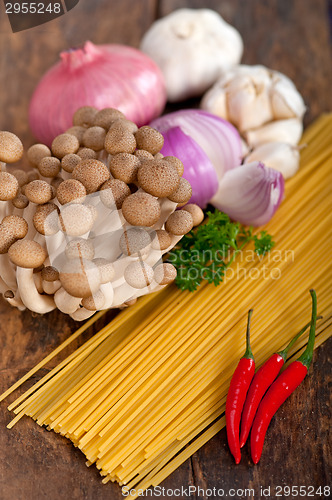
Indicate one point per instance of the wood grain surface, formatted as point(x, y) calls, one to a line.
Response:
point(288, 35)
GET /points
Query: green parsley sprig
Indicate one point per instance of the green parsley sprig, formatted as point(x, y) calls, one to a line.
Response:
point(206, 252)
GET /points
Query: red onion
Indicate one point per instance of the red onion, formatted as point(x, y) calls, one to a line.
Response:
point(211, 151)
point(101, 76)
point(198, 169)
point(250, 193)
point(218, 138)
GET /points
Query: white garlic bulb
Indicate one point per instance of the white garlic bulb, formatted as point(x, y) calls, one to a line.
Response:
point(252, 96)
point(278, 155)
point(192, 47)
point(289, 131)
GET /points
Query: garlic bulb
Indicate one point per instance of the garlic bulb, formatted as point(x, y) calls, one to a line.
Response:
point(252, 96)
point(192, 47)
point(289, 131)
point(278, 155)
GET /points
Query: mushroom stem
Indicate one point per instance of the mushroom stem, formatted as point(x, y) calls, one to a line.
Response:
point(7, 272)
point(14, 300)
point(51, 287)
point(108, 292)
point(81, 314)
point(3, 167)
point(66, 303)
point(29, 295)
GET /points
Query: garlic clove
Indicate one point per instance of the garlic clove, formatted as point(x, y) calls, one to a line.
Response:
point(215, 101)
point(289, 131)
point(278, 155)
point(249, 106)
point(286, 101)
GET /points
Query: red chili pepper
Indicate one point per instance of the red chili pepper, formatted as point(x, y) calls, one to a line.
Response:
point(236, 396)
point(262, 380)
point(281, 389)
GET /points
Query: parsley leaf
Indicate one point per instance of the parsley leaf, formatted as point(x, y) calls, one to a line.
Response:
point(206, 252)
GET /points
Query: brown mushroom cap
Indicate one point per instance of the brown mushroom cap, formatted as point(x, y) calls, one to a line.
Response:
point(124, 166)
point(92, 174)
point(27, 254)
point(39, 192)
point(69, 162)
point(12, 228)
point(173, 160)
point(138, 274)
point(113, 193)
point(76, 219)
point(49, 166)
point(158, 178)
point(21, 176)
point(84, 116)
point(49, 273)
point(143, 155)
point(95, 302)
point(46, 219)
point(179, 222)
point(36, 153)
point(183, 192)
point(127, 124)
point(8, 186)
point(106, 117)
point(71, 191)
point(164, 274)
point(80, 248)
point(149, 139)
point(11, 148)
point(80, 278)
point(94, 138)
point(33, 176)
point(141, 209)
point(65, 144)
point(77, 131)
point(161, 240)
point(119, 140)
point(134, 240)
point(106, 269)
point(87, 154)
point(16, 225)
point(196, 213)
point(20, 201)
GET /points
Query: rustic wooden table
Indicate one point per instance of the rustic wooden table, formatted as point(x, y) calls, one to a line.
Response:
point(289, 35)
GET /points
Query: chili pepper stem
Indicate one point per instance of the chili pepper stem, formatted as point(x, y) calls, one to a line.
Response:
point(248, 354)
point(285, 351)
point(306, 357)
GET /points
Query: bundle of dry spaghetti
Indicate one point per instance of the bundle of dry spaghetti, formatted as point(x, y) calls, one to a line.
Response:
point(148, 390)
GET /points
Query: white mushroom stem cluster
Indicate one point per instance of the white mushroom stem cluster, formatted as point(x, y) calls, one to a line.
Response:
point(86, 229)
point(266, 108)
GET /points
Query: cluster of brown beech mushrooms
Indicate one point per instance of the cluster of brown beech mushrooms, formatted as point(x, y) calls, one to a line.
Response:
point(87, 227)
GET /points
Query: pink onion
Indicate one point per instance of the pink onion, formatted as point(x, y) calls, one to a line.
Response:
point(250, 193)
point(102, 76)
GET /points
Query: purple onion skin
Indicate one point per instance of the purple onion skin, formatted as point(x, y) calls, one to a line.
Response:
point(198, 169)
point(250, 194)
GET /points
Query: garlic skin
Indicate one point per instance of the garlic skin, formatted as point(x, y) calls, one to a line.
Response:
point(277, 155)
point(192, 47)
point(252, 96)
point(289, 131)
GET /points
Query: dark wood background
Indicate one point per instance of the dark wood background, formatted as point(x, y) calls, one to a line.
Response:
point(288, 35)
